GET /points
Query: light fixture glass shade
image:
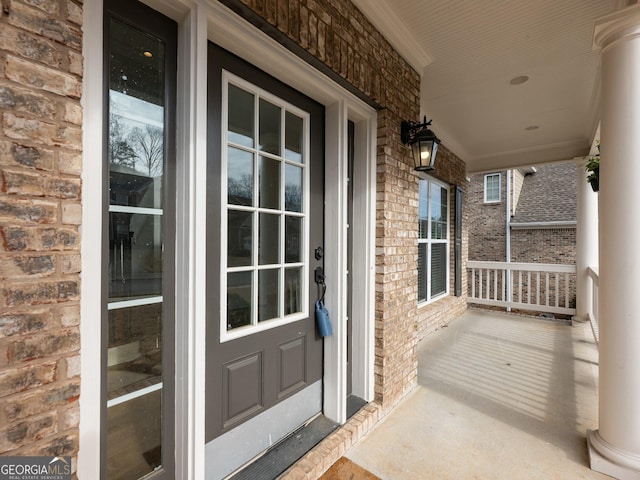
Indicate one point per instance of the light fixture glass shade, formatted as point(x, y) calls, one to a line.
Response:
point(424, 149)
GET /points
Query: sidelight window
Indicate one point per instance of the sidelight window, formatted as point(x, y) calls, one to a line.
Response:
point(265, 170)
point(138, 323)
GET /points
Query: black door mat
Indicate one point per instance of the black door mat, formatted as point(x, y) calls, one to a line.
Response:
point(287, 452)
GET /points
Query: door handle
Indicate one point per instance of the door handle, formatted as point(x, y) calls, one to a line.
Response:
point(319, 279)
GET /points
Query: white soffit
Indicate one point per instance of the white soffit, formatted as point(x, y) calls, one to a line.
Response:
point(477, 47)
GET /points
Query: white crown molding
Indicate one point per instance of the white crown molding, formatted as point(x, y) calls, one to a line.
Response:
point(395, 31)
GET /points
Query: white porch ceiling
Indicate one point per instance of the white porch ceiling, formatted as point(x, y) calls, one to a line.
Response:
point(467, 51)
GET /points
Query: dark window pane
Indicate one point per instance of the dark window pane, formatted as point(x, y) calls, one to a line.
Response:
point(438, 210)
point(239, 238)
point(241, 118)
point(438, 268)
point(135, 255)
point(269, 176)
point(268, 244)
point(134, 189)
point(292, 291)
point(134, 437)
point(239, 177)
point(270, 125)
point(293, 239)
point(293, 189)
point(268, 294)
point(293, 137)
point(423, 206)
point(135, 349)
point(239, 299)
point(422, 272)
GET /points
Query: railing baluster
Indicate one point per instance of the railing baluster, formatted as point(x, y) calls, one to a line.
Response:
point(557, 289)
point(520, 287)
point(547, 290)
point(566, 290)
point(537, 288)
point(473, 283)
point(480, 283)
point(495, 284)
point(529, 287)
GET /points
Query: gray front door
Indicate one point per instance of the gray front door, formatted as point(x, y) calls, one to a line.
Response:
point(264, 223)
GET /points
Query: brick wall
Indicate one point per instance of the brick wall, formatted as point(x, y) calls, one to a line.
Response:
point(40, 210)
point(343, 42)
point(487, 221)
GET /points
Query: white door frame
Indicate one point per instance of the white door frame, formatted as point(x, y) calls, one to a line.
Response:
point(199, 21)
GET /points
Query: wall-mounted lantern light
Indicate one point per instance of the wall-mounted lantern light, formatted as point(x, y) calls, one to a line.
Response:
point(423, 143)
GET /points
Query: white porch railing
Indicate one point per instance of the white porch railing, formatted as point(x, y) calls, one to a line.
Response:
point(540, 287)
point(593, 311)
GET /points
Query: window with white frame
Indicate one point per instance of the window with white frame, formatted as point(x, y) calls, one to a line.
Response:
point(433, 240)
point(492, 187)
point(265, 160)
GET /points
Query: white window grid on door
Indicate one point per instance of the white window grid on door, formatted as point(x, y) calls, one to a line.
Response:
point(255, 326)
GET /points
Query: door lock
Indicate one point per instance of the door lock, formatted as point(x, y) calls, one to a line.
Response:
point(319, 253)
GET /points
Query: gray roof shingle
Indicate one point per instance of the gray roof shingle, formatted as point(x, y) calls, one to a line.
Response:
point(548, 195)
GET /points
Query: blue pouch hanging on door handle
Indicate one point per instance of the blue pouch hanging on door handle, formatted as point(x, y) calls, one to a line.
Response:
point(322, 319)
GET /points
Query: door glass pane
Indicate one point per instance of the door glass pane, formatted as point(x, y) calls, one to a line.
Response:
point(241, 118)
point(135, 255)
point(135, 349)
point(239, 238)
point(240, 177)
point(270, 127)
point(269, 175)
point(135, 151)
point(269, 239)
point(293, 189)
point(292, 291)
point(239, 295)
point(134, 431)
point(268, 294)
point(293, 137)
point(293, 239)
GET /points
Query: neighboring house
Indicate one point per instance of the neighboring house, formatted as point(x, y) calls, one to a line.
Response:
point(173, 177)
point(540, 226)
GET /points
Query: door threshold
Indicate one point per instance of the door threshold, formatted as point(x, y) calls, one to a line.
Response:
point(277, 459)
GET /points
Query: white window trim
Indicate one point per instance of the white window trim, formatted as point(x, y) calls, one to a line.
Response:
point(259, 93)
point(198, 22)
point(429, 300)
point(499, 199)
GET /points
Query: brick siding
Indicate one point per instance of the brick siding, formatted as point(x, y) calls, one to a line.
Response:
point(487, 222)
point(40, 213)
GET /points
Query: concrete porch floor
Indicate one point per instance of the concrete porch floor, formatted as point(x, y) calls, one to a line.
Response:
point(498, 396)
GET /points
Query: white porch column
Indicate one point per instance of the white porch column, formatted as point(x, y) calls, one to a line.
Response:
point(586, 242)
point(615, 447)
